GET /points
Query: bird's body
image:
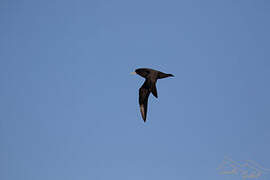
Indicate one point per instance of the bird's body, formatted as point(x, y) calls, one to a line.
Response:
point(149, 86)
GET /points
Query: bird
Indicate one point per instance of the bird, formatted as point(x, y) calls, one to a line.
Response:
point(149, 86)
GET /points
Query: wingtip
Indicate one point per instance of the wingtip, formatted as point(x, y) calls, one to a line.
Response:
point(143, 113)
point(144, 119)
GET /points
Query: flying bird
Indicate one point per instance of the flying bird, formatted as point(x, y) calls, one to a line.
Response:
point(149, 86)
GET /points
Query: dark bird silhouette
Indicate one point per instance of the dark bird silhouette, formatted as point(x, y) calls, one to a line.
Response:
point(149, 86)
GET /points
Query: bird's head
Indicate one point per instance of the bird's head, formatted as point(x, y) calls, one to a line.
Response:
point(142, 72)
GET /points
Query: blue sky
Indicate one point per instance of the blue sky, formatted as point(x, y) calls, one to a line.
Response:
point(69, 105)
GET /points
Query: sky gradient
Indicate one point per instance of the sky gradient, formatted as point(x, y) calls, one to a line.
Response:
point(69, 105)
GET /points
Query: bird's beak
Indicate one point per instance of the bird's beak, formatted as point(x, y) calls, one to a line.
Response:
point(133, 73)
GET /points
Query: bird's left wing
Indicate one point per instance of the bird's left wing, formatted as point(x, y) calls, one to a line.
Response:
point(143, 100)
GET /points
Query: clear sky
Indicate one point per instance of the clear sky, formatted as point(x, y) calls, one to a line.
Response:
point(69, 105)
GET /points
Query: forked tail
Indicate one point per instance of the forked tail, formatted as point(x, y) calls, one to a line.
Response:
point(153, 89)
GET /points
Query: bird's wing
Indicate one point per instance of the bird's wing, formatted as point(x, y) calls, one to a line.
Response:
point(162, 75)
point(143, 99)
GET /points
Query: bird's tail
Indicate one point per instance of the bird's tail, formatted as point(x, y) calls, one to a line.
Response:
point(153, 89)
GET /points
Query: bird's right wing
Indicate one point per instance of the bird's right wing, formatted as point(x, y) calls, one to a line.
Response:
point(162, 75)
point(143, 100)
